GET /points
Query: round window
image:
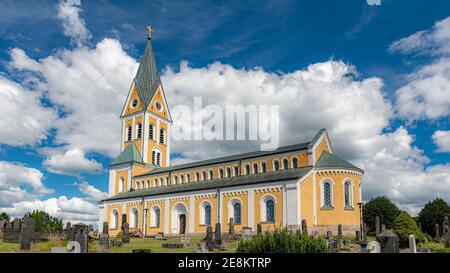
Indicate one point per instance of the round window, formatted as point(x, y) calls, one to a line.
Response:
point(134, 103)
point(158, 106)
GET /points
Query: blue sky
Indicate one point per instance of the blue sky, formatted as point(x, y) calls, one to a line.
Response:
point(277, 38)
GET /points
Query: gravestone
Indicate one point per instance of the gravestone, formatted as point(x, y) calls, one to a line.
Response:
point(339, 236)
point(446, 232)
point(231, 226)
point(412, 244)
point(27, 232)
point(364, 233)
point(246, 233)
point(316, 234)
point(218, 235)
point(377, 225)
point(81, 232)
point(304, 227)
point(373, 247)
point(357, 235)
point(389, 242)
point(125, 233)
point(186, 241)
point(104, 237)
point(124, 218)
point(436, 230)
point(329, 235)
point(383, 228)
point(11, 232)
point(259, 229)
point(68, 231)
point(209, 239)
point(333, 246)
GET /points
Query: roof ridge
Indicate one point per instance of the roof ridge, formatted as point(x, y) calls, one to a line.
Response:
point(330, 160)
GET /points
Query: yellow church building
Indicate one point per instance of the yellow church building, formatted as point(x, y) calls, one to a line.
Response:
point(305, 181)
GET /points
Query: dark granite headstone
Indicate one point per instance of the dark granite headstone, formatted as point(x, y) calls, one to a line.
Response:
point(364, 233)
point(333, 246)
point(104, 237)
point(218, 235)
point(231, 226)
point(329, 235)
point(389, 242)
point(339, 241)
point(377, 225)
point(304, 227)
point(259, 229)
point(11, 232)
point(81, 232)
point(357, 235)
point(209, 238)
point(446, 232)
point(27, 232)
point(69, 234)
point(125, 233)
point(437, 233)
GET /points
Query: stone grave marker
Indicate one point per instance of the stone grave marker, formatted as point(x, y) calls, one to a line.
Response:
point(69, 231)
point(185, 240)
point(304, 227)
point(357, 235)
point(104, 237)
point(412, 244)
point(27, 232)
point(339, 236)
point(125, 233)
point(437, 235)
point(333, 246)
point(364, 233)
point(218, 235)
point(259, 229)
point(81, 236)
point(389, 242)
point(377, 225)
point(329, 235)
point(373, 247)
point(231, 226)
point(209, 239)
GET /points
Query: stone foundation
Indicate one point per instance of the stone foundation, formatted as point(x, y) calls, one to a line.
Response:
point(347, 230)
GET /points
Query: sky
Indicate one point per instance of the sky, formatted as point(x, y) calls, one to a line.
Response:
point(375, 73)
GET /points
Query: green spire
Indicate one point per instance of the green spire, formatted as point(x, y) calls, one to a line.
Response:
point(147, 77)
point(129, 155)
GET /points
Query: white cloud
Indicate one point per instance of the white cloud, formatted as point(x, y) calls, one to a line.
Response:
point(434, 41)
point(72, 210)
point(73, 25)
point(72, 162)
point(90, 87)
point(91, 192)
point(442, 140)
point(24, 120)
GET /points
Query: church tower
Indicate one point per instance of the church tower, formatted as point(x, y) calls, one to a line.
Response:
point(146, 122)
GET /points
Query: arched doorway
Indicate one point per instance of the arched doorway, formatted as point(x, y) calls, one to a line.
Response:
point(179, 219)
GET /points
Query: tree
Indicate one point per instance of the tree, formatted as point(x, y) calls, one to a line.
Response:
point(45, 222)
point(404, 225)
point(4, 216)
point(433, 213)
point(382, 207)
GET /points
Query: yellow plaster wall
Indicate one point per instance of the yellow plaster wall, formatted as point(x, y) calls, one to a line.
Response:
point(172, 202)
point(120, 174)
point(243, 196)
point(128, 109)
point(277, 193)
point(137, 141)
point(138, 206)
point(306, 201)
point(149, 205)
point(338, 215)
point(159, 97)
point(109, 208)
point(322, 147)
point(199, 200)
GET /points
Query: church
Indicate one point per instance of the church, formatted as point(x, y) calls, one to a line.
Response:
point(278, 188)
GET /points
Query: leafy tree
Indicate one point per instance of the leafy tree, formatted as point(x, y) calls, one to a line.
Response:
point(4, 216)
point(404, 225)
point(382, 207)
point(433, 213)
point(45, 222)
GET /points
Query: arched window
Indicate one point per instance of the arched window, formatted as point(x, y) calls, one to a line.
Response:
point(203, 175)
point(294, 162)
point(263, 167)
point(197, 176)
point(121, 184)
point(148, 183)
point(155, 217)
point(276, 165)
point(162, 136)
point(247, 169)
point(182, 179)
point(114, 221)
point(167, 181)
point(134, 217)
point(208, 215)
point(210, 174)
point(348, 197)
point(151, 132)
point(129, 133)
point(228, 172)
point(175, 180)
point(188, 178)
point(255, 168)
point(139, 131)
point(285, 164)
point(270, 210)
point(236, 170)
point(155, 182)
point(137, 185)
point(161, 181)
point(220, 173)
point(154, 157)
point(327, 194)
point(237, 212)
point(158, 159)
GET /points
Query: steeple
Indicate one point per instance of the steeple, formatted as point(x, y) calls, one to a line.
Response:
point(147, 77)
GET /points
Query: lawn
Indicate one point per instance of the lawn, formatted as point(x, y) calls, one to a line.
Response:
point(40, 247)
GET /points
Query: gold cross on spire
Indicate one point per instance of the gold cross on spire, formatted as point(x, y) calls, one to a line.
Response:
point(149, 32)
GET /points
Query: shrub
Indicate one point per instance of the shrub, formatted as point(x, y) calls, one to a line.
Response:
point(433, 213)
point(282, 241)
point(404, 225)
point(382, 207)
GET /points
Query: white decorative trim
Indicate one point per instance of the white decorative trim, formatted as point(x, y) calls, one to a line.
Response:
point(251, 209)
point(322, 197)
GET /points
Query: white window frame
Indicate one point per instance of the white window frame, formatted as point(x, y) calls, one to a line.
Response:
point(153, 216)
point(114, 219)
point(262, 205)
point(350, 181)
point(322, 192)
point(202, 212)
point(231, 204)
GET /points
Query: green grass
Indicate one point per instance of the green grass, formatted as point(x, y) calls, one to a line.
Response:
point(40, 247)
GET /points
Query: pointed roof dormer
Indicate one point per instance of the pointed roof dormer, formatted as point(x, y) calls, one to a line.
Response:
point(147, 77)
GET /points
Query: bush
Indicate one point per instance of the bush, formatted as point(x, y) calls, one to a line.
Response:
point(433, 213)
point(283, 241)
point(404, 225)
point(382, 207)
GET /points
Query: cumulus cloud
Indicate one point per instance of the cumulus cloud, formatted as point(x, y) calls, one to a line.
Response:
point(89, 86)
point(72, 162)
point(74, 210)
point(434, 41)
point(442, 141)
point(73, 25)
point(91, 192)
point(24, 120)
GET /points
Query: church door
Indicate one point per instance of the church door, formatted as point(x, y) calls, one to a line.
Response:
point(182, 223)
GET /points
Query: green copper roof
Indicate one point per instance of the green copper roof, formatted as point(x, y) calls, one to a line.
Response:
point(284, 149)
point(147, 77)
point(284, 175)
point(130, 154)
point(328, 160)
point(316, 138)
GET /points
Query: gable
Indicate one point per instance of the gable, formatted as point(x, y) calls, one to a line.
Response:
point(128, 109)
point(159, 98)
